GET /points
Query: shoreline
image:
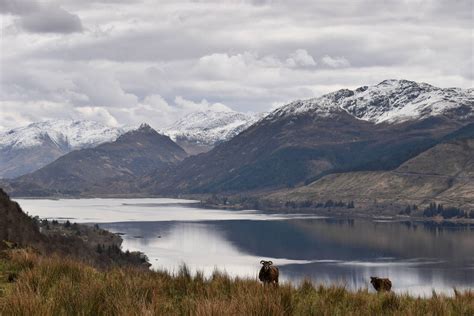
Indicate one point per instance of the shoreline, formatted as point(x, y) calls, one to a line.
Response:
point(334, 212)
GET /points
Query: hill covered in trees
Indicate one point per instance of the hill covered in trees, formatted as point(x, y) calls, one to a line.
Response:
point(86, 243)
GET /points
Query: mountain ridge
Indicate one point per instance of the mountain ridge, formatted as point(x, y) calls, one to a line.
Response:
point(390, 101)
point(28, 148)
point(108, 168)
point(74, 134)
point(304, 141)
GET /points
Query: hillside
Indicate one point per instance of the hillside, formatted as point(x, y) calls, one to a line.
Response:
point(444, 173)
point(18, 230)
point(108, 168)
point(26, 149)
point(16, 226)
point(371, 128)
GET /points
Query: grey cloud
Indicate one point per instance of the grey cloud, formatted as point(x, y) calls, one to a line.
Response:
point(18, 7)
point(51, 19)
point(135, 58)
point(37, 17)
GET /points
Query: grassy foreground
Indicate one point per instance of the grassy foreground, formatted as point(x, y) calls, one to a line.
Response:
point(55, 286)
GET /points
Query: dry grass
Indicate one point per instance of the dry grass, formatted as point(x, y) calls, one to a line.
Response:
point(55, 286)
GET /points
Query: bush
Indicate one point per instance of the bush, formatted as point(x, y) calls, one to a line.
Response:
point(449, 212)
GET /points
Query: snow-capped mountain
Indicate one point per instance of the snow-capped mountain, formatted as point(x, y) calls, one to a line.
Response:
point(110, 167)
point(68, 134)
point(28, 148)
point(391, 101)
point(371, 128)
point(200, 131)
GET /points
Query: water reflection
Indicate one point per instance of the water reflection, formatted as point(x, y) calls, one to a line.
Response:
point(418, 258)
point(129, 210)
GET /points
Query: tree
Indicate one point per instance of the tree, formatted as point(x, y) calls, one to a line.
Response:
point(329, 203)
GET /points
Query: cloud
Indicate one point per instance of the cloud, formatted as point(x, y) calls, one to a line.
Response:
point(159, 113)
point(203, 105)
point(51, 19)
point(300, 57)
point(103, 90)
point(18, 6)
point(36, 17)
point(126, 62)
point(335, 62)
point(95, 113)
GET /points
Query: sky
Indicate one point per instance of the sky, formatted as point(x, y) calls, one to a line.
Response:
point(124, 62)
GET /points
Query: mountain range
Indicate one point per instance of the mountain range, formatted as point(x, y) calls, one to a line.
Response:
point(28, 148)
point(369, 128)
point(111, 168)
point(364, 136)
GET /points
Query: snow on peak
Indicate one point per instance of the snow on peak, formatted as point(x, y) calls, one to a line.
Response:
point(392, 101)
point(67, 134)
point(209, 127)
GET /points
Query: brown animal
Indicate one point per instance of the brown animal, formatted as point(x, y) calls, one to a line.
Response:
point(380, 284)
point(268, 273)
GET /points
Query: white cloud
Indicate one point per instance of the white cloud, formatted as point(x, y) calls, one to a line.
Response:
point(104, 90)
point(157, 112)
point(335, 62)
point(300, 57)
point(190, 106)
point(95, 113)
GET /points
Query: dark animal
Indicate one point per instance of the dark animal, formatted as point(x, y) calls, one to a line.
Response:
point(11, 277)
point(380, 284)
point(268, 274)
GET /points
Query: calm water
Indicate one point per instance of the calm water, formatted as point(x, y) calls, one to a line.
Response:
point(416, 257)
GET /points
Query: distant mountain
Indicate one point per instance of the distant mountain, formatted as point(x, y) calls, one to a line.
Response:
point(199, 132)
point(108, 168)
point(371, 128)
point(26, 149)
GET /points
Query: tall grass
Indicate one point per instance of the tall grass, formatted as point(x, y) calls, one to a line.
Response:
point(56, 286)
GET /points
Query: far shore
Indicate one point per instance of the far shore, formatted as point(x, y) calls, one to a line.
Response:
point(200, 200)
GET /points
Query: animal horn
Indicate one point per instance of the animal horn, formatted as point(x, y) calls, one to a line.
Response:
point(270, 262)
point(262, 261)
